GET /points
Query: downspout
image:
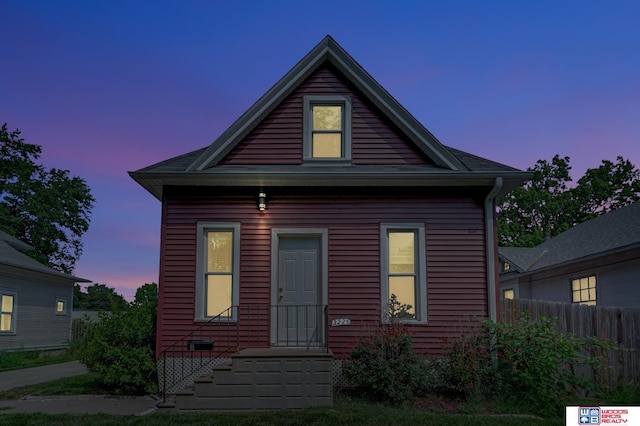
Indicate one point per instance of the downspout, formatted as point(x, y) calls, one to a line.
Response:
point(490, 240)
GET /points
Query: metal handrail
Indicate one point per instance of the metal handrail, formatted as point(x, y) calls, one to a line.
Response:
point(239, 327)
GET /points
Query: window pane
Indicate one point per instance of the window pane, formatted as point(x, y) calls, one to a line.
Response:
point(509, 294)
point(219, 253)
point(327, 145)
point(60, 306)
point(5, 322)
point(404, 289)
point(327, 117)
point(7, 303)
point(575, 285)
point(401, 253)
point(218, 294)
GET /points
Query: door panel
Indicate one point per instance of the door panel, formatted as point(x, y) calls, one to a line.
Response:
point(298, 311)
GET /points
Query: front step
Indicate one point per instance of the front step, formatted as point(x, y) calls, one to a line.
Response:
point(264, 379)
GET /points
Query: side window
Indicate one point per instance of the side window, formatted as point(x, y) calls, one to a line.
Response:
point(327, 129)
point(508, 293)
point(61, 306)
point(583, 290)
point(8, 303)
point(218, 270)
point(403, 266)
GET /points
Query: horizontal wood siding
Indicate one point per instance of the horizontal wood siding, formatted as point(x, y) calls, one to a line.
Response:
point(278, 138)
point(455, 258)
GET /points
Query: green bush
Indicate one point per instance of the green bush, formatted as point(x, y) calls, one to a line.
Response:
point(538, 365)
point(528, 362)
point(120, 346)
point(384, 367)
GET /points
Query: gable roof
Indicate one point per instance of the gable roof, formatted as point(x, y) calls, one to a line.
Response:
point(11, 256)
point(611, 232)
point(450, 166)
point(327, 51)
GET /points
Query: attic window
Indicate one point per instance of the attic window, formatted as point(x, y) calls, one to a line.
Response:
point(327, 129)
point(506, 266)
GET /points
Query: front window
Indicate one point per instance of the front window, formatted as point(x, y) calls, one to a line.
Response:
point(583, 290)
point(7, 312)
point(218, 266)
point(327, 128)
point(404, 268)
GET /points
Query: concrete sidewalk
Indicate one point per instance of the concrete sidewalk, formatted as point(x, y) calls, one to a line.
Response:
point(66, 404)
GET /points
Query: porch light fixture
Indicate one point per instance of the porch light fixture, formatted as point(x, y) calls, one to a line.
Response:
point(262, 201)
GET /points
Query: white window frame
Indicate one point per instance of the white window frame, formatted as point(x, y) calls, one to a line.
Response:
point(595, 288)
point(14, 312)
point(421, 269)
point(201, 267)
point(328, 100)
point(65, 305)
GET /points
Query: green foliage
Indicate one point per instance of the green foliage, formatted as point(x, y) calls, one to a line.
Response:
point(98, 297)
point(120, 347)
point(533, 365)
point(384, 367)
point(46, 208)
point(548, 205)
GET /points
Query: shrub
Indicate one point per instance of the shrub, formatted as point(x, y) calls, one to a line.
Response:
point(538, 365)
point(468, 371)
point(384, 367)
point(120, 349)
point(528, 362)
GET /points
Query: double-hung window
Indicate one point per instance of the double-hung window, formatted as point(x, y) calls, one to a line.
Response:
point(7, 312)
point(327, 128)
point(403, 266)
point(583, 290)
point(218, 270)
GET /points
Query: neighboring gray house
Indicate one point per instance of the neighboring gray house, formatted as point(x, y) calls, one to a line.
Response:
point(595, 263)
point(35, 300)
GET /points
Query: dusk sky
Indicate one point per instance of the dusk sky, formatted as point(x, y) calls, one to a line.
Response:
point(107, 87)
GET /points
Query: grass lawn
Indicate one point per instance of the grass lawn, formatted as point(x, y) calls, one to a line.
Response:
point(346, 411)
point(25, 359)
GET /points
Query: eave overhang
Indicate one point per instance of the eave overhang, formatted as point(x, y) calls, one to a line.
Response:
point(154, 182)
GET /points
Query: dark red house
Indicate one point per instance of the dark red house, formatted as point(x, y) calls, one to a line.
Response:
point(317, 205)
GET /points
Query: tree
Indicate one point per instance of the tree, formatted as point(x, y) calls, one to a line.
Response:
point(46, 208)
point(98, 297)
point(548, 205)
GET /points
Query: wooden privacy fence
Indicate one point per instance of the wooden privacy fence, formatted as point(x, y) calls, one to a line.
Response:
point(619, 325)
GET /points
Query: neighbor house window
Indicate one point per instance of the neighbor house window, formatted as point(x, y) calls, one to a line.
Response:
point(61, 306)
point(218, 270)
point(508, 294)
point(404, 289)
point(505, 266)
point(327, 128)
point(7, 312)
point(583, 290)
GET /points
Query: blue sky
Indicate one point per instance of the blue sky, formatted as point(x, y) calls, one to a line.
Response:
point(106, 87)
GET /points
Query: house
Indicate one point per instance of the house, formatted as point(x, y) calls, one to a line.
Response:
point(595, 263)
point(36, 300)
point(297, 224)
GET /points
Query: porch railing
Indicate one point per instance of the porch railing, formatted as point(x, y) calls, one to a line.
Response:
point(241, 327)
